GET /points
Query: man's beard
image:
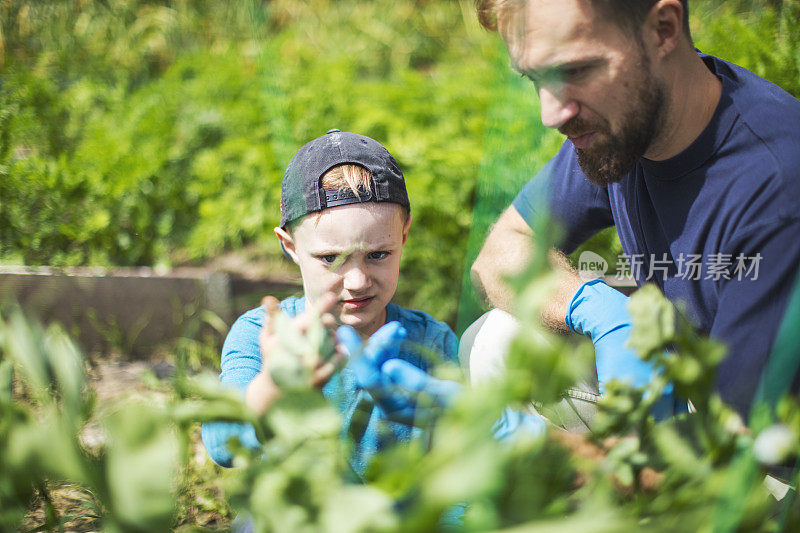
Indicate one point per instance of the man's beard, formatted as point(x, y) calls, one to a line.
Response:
point(613, 154)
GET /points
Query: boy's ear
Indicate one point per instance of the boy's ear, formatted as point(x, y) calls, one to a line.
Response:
point(406, 228)
point(287, 243)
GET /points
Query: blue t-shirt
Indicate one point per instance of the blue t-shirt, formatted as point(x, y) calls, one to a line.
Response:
point(241, 362)
point(716, 227)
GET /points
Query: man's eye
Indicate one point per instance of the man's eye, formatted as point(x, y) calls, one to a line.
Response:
point(574, 73)
point(378, 255)
point(327, 258)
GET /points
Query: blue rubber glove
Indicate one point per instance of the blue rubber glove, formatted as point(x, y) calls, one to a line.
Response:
point(400, 389)
point(601, 313)
point(397, 387)
point(514, 424)
point(366, 361)
point(439, 393)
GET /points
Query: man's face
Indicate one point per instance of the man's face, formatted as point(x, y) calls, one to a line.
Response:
point(594, 81)
point(354, 252)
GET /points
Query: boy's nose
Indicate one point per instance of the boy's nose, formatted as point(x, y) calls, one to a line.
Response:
point(356, 279)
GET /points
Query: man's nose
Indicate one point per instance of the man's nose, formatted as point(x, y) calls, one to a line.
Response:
point(557, 107)
point(356, 278)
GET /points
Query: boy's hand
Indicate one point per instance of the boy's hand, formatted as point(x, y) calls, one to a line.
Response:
point(295, 352)
point(404, 392)
point(409, 395)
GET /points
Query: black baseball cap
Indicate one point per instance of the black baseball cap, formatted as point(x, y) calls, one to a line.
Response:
point(301, 193)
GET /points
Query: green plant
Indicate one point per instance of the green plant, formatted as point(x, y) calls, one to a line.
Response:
point(699, 471)
point(132, 477)
point(157, 133)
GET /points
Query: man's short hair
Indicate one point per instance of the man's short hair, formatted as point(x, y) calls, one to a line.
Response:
point(627, 14)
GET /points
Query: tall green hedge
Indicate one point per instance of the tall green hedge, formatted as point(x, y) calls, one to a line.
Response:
point(142, 133)
point(156, 132)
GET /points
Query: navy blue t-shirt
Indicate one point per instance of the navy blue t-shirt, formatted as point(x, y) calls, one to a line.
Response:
point(716, 227)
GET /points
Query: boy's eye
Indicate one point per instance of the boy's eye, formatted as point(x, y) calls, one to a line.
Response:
point(378, 255)
point(327, 258)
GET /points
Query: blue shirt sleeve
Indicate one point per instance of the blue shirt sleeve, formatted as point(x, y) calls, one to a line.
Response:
point(446, 340)
point(561, 189)
point(425, 331)
point(241, 362)
point(241, 355)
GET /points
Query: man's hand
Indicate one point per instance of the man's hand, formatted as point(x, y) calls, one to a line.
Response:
point(601, 313)
point(404, 392)
point(294, 352)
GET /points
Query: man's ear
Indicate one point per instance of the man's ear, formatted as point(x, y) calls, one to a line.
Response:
point(407, 227)
point(287, 243)
point(664, 26)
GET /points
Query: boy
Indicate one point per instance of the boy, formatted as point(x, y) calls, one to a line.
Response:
point(344, 220)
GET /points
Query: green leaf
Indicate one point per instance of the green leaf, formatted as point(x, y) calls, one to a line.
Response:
point(141, 465)
point(6, 380)
point(679, 455)
point(352, 509)
point(653, 320)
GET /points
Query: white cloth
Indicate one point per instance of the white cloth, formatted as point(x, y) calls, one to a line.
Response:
point(482, 354)
point(484, 346)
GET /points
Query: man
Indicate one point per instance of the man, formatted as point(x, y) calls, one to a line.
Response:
point(693, 159)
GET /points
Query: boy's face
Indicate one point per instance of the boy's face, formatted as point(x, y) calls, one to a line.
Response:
point(352, 251)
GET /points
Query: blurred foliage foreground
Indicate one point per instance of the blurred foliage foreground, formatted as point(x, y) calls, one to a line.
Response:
point(697, 472)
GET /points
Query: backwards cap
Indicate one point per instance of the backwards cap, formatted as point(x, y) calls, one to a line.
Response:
point(302, 194)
